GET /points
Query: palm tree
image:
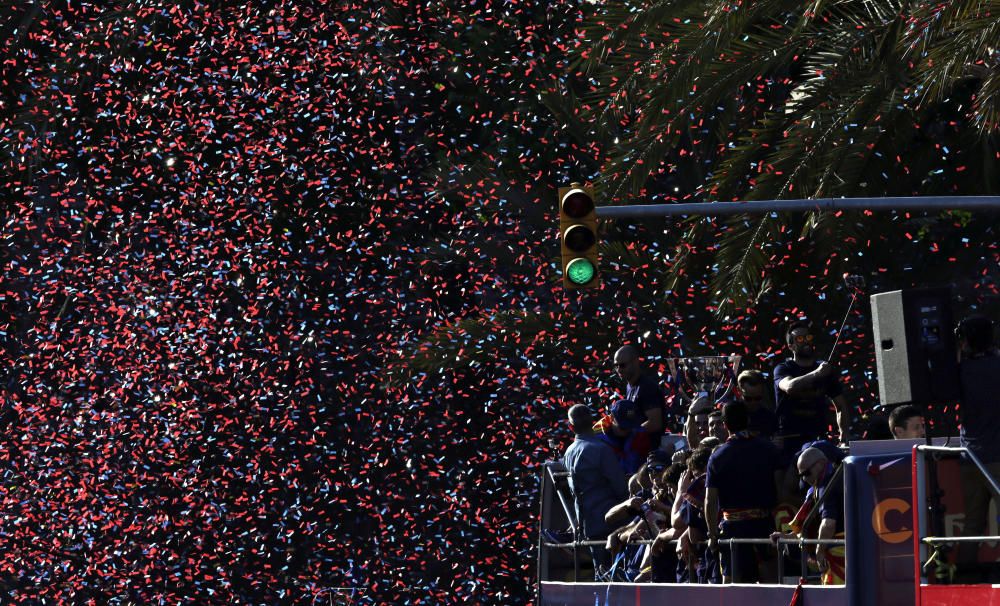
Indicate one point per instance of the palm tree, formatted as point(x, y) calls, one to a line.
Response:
point(776, 99)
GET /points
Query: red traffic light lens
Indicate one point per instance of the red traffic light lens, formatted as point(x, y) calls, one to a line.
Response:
point(577, 204)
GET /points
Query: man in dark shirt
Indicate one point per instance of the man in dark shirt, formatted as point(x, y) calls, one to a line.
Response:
point(803, 389)
point(643, 389)
point(741, 482)
point(596, 480)
point(979, 373)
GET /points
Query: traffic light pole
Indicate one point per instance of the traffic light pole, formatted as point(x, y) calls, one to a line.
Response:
point(716, 209)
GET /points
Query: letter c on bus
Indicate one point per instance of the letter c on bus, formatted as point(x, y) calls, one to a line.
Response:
point(878, 521)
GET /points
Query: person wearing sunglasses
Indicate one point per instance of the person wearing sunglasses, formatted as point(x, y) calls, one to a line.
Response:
point(804, 388)
point(815, 467)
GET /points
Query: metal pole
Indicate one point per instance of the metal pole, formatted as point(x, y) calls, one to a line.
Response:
point(570, 515)
point(735, 541)
point(919, 492)
point(733, 560)
point(543, 553)
point(781, 564)
point(950, 540)
point(803, 561)
point(715, 209)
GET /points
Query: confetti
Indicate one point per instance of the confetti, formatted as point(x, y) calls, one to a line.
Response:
point(280, 308)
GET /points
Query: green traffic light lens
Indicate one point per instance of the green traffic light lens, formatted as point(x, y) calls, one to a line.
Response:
point(580, 271)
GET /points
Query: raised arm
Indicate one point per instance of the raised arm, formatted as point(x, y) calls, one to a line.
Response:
point(843, 417)
point(807, 384)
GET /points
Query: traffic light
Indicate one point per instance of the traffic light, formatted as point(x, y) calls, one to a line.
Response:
point(578, 236)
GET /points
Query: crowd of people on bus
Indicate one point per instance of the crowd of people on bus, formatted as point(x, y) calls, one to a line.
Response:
point(661, 506)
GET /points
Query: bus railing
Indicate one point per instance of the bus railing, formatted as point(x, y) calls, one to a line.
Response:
point(554, 476)
point(778, 544)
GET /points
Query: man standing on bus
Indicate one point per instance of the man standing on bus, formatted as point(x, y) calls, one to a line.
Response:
point(596, 480)
point(741, 489)
point(643, 388)
point(804, 388)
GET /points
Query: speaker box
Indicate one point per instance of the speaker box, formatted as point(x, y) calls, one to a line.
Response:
point(915, 350)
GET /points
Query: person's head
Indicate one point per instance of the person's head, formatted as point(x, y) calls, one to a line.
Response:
point(641, 478)
point(734, 415)
point(975, 335)
point(799, 338)
point(811, 465)
point(906, 422)
point(753, 388)
point(581, 419)
point(698, 462)
point(656, 463)
point(627, 364)
point(681, 456)
point(697, 426)
point(711, 442)
point(673, 474)
point(716, 427)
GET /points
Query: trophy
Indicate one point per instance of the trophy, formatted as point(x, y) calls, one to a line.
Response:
point(712, 377)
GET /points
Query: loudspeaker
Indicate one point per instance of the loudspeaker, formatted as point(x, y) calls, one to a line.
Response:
point(915, 350)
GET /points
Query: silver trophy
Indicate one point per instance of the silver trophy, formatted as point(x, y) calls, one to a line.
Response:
point(712, 377)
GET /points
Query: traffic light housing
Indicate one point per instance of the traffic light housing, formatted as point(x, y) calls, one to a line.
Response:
point(578, 237)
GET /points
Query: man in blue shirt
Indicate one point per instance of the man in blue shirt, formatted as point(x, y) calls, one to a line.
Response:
point(596, 479)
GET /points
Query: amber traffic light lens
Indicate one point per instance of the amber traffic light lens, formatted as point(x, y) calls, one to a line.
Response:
point(579, 238)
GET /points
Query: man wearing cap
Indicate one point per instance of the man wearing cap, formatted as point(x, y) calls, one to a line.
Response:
point(622, 430)
point(596, 480)
point(643, 389)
